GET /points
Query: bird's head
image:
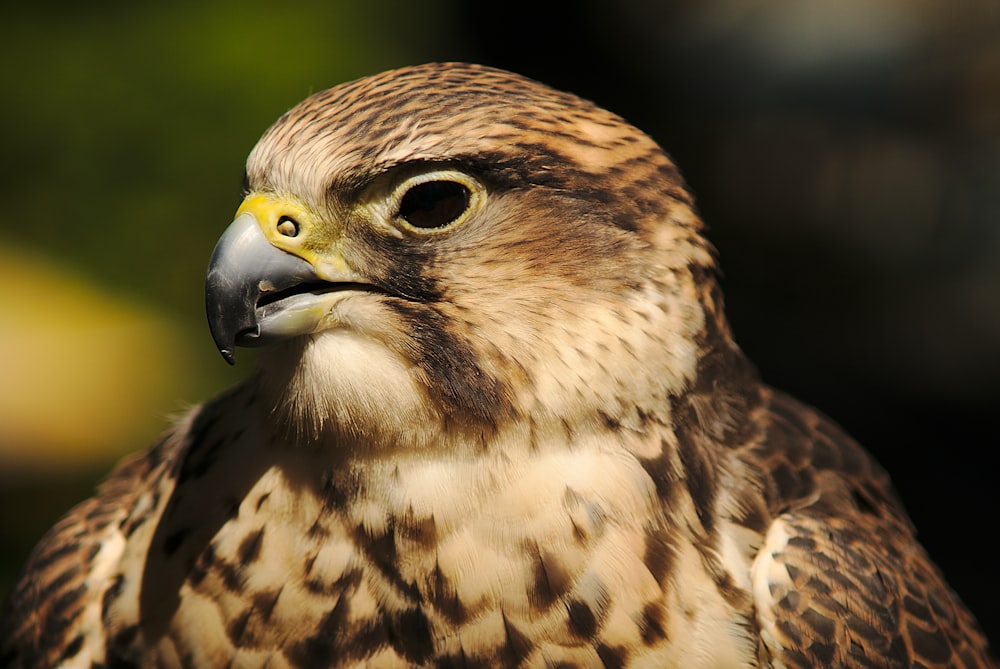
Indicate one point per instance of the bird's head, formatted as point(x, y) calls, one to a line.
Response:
point(456, 245)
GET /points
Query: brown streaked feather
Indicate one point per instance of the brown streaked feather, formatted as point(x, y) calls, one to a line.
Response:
point(53, 616)
point(841, 579)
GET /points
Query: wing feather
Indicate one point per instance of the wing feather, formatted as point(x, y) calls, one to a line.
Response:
point(841, 579)
point(53, 616)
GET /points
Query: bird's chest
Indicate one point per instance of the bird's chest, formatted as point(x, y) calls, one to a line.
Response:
point(558, 557)
point(464, 545)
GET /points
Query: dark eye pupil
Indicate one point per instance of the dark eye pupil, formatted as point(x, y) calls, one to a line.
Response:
point(434, 204)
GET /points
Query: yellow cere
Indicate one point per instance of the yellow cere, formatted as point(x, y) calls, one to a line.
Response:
point(323, 254)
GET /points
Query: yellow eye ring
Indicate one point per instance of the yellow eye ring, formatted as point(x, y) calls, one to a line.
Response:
point(435, 201)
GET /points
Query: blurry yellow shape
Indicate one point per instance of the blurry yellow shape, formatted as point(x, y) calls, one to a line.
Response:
point(84, 377)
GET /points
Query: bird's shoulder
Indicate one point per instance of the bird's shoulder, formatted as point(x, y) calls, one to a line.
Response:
point(53, 613)
point(840, 575)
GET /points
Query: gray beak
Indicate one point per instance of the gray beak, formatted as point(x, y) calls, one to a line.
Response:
point(244, 268)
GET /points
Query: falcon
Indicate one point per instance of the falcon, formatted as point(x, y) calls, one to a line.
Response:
point(499, 420)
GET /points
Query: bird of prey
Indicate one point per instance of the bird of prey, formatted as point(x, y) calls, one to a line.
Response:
point(499, 420)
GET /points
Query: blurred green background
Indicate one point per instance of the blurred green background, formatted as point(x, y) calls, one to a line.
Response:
point(845, 153)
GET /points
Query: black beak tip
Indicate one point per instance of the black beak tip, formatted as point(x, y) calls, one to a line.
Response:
point(221, 324)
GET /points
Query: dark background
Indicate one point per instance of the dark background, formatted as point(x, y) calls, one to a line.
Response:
point(845, 154)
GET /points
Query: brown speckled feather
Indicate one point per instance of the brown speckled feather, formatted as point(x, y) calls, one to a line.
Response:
point(499, 421)
point(841, 579)
point(54, 612)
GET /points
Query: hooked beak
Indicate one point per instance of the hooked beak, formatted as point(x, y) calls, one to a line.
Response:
point(245, 267)
point(267, 281)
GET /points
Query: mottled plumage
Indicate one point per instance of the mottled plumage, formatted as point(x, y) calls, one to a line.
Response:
point(500, 421)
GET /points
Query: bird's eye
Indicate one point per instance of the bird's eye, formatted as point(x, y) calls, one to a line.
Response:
point(434, 204)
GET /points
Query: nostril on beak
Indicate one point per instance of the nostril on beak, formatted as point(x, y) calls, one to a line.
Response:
point(288, 227)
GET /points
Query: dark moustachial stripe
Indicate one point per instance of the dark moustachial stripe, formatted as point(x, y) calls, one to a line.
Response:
point(451, 367)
